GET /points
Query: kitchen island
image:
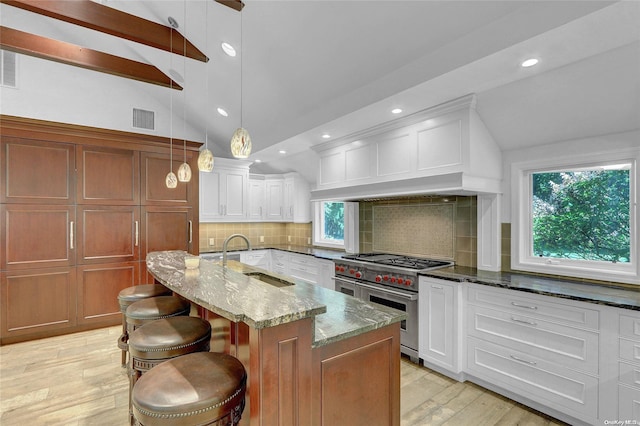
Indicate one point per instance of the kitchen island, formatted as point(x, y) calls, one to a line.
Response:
point(314, 356)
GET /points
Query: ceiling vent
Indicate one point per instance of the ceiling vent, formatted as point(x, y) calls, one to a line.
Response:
point(8, 62)
point(143, 119)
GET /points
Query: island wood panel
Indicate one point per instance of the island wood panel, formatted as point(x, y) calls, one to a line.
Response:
point(98, 289)
point(37, 301)
point(280, 366)
point(356, 381)
point(108, 176)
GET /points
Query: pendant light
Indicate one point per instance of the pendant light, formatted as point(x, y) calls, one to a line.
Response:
point(184, 171)
point(241, 141)
point(171, 180)
point(205, 158)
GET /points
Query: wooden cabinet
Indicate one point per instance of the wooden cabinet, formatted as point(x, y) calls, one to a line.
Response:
point(629, 366)
point(297, 196)
point(80, 208)
point(274, 199)
point(440, 317)
point(546, 350)
point(256, 199)
point(224, 192)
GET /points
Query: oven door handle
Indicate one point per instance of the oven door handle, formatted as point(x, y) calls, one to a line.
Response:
point(385, 290)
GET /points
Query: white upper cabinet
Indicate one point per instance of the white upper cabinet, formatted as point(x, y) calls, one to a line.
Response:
point(274, 198)
point(224, 191)
point(445, 148)
point(297, 199)
point(256, 198)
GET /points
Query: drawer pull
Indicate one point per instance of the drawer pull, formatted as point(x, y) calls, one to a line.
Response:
point(523, 321)
point(522, 360)
point(518, 305)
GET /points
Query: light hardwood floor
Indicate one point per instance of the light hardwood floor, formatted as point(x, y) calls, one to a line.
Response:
point(77, 380)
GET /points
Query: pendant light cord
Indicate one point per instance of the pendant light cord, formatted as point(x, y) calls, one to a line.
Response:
point(171, 101)
point(184, 104)
point(241, 55)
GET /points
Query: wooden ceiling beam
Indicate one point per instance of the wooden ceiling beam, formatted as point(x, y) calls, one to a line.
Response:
point(233, 4)
point(71, 54)
point(95, 16)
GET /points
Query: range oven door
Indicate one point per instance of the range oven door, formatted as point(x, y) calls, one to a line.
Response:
point(403, 301)
point(347, 287)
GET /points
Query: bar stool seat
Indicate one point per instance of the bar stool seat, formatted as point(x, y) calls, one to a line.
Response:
point(155, 308)
point(130, 295)
point(203, 388)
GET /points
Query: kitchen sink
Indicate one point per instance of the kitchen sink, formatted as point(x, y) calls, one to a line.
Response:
point(269, 279)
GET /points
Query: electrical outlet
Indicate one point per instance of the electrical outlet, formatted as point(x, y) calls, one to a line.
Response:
point(262, 238)
point(289, 238)
point(212, 242)
point(309, 240)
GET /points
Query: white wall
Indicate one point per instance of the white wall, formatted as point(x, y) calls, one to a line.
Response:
point(592, 145)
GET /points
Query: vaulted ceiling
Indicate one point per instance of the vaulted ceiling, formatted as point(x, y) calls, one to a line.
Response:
point(306, 68)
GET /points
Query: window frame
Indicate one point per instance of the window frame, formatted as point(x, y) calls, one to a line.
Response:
point(522, 258)
point(318, 225)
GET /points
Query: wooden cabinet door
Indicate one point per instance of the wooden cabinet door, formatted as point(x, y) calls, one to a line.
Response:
point(154, 169)
point(37, 172)
point(98, 288)
point(256, 199)
point(108, 234)
point(38, 301)
point(38, 236)
point(274, 200)
point(108, 176)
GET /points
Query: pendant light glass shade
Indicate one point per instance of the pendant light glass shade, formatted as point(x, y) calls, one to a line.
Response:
point(205, 160)
point(184, 172)
point(171, 180)
point(241, 143)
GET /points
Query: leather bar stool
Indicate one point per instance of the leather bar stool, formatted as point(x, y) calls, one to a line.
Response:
point(204, 388)
point(155, 308)
point(130, 295)
point(158, 341)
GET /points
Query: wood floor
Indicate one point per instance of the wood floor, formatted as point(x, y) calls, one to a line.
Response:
point(77, 380)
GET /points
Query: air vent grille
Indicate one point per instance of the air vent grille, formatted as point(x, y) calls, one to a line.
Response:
point(8, 61)
point(143, 119)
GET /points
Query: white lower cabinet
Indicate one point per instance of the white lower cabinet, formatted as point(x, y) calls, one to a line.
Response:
point(440, 338)
point(259, 258)
point(539, 348)
point(629, 367)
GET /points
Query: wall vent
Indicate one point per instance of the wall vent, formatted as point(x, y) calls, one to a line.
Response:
point(8, 65)
point(143, 119)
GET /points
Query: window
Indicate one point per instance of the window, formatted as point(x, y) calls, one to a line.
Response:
point(577, 220)
point(329, 224)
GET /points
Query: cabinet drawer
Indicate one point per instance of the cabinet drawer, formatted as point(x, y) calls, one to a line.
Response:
point(535, 306)
point(566, 390)
point(629, 374)
point(630, 327)
point(302, 260)
point(567, 346)
point(628, 404)
point(630, 350)
point(307, 274)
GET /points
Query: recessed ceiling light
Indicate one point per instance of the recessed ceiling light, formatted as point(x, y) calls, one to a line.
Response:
point(222, 112)
point(282, 151)
point(529, 62)
point(258, 161)
point(396, 111)
point(228, 49)
point(326, 136)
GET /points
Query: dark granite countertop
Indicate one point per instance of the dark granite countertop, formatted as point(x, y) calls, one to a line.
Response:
point(228, 292)
point(320, 253)
point(624, 296)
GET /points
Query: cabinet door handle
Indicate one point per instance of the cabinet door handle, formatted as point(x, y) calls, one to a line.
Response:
point(518, 305)
point(190, 231)
point(523, 321)
point(71, 235)
point(260, 211)
point(291, 210)
point(137, 234)
point(523, 360)
point(280, 210)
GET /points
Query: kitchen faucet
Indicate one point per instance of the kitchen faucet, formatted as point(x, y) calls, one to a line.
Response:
point(226, 242)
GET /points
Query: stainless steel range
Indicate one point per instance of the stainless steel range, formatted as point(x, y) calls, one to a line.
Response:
point(390, 280)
